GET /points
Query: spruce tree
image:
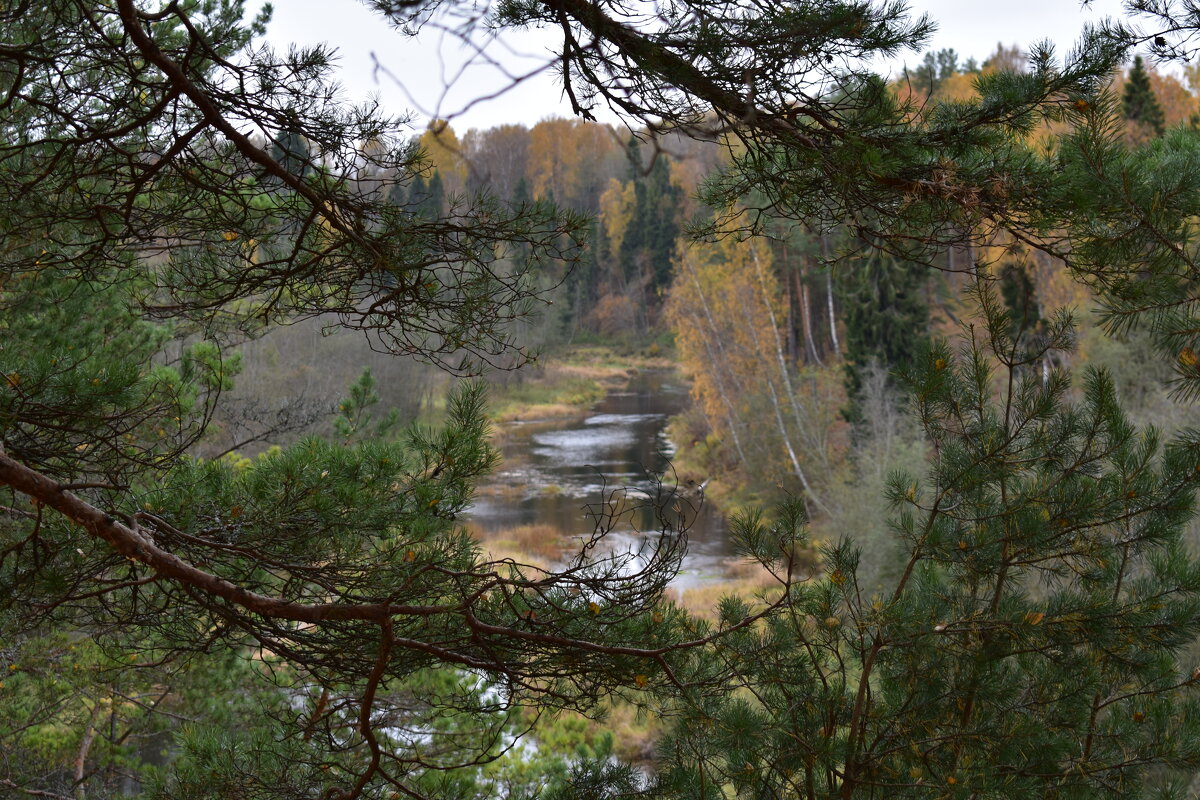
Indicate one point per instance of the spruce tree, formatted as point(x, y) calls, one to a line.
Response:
point(1138, 101)
point(886, 314)
point(290, 151)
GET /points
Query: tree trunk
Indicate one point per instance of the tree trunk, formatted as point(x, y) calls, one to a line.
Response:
point(89, 736)
point(833, 333)
point(806, 315)
point(716, 363)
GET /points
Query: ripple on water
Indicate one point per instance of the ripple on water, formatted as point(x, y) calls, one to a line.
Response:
point(570, 446)
point(622, 420)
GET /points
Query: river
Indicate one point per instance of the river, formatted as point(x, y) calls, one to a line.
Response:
point(553, 470)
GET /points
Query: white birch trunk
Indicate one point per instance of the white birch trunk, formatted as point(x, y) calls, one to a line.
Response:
point(787, 382)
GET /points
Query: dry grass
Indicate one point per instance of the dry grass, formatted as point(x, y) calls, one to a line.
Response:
point(538, 545)
point(744, 571)
point(539, 411)
point(509, 489)
point(542, 540)
point(634, 734)
point(552, 395)
point(608, 374)
point(748, 582)
point(605, 363)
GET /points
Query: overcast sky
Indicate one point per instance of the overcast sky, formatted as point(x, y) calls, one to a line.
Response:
point(418, 71)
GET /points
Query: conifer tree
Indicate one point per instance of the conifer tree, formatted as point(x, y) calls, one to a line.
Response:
point(649, 239)
point(290, 151)
point(935, 69)
point(886, 315)
point(1138, 101)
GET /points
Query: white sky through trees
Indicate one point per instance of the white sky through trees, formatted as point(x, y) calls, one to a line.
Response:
point(421, 69)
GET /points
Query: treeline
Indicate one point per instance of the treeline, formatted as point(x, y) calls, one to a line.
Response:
point(788, 340)
point(791, 337)
point(638, 192)
point(641, 193)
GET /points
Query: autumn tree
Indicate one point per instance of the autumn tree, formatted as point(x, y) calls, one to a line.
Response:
point(497, 160)
point(1045, 578)
point(777, 421)
point(445, 155)
point(571, 162)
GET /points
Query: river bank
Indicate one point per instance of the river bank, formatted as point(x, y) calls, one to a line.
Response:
point(567, 384)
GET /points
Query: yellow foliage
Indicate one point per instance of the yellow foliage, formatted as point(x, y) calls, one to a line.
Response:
point(445, 154)
point(959, 87)
point(721, 316)
point(616, 210)
point(565, 155)
point(1178, 104)
point(727, 310)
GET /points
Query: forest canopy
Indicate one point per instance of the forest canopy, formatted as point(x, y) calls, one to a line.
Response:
point(315, 621)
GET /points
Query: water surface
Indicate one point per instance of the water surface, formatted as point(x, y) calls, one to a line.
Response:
point(553, 471)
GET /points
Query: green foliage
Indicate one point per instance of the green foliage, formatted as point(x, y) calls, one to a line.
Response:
point(80, 390)
point(935, 68)
point(1130, 220)
point(290, 151)
point(648, 245)
point(354, 419)
point(203, 363)
point(314, 622)
point(1020, 298)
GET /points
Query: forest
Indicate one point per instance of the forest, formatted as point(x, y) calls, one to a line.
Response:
point(261, 350)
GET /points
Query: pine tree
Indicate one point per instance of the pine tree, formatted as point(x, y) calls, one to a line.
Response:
point(146, 234)
point(327, 584)
point(1138, 101)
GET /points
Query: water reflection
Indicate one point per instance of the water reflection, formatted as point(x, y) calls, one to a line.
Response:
point(554, 470)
